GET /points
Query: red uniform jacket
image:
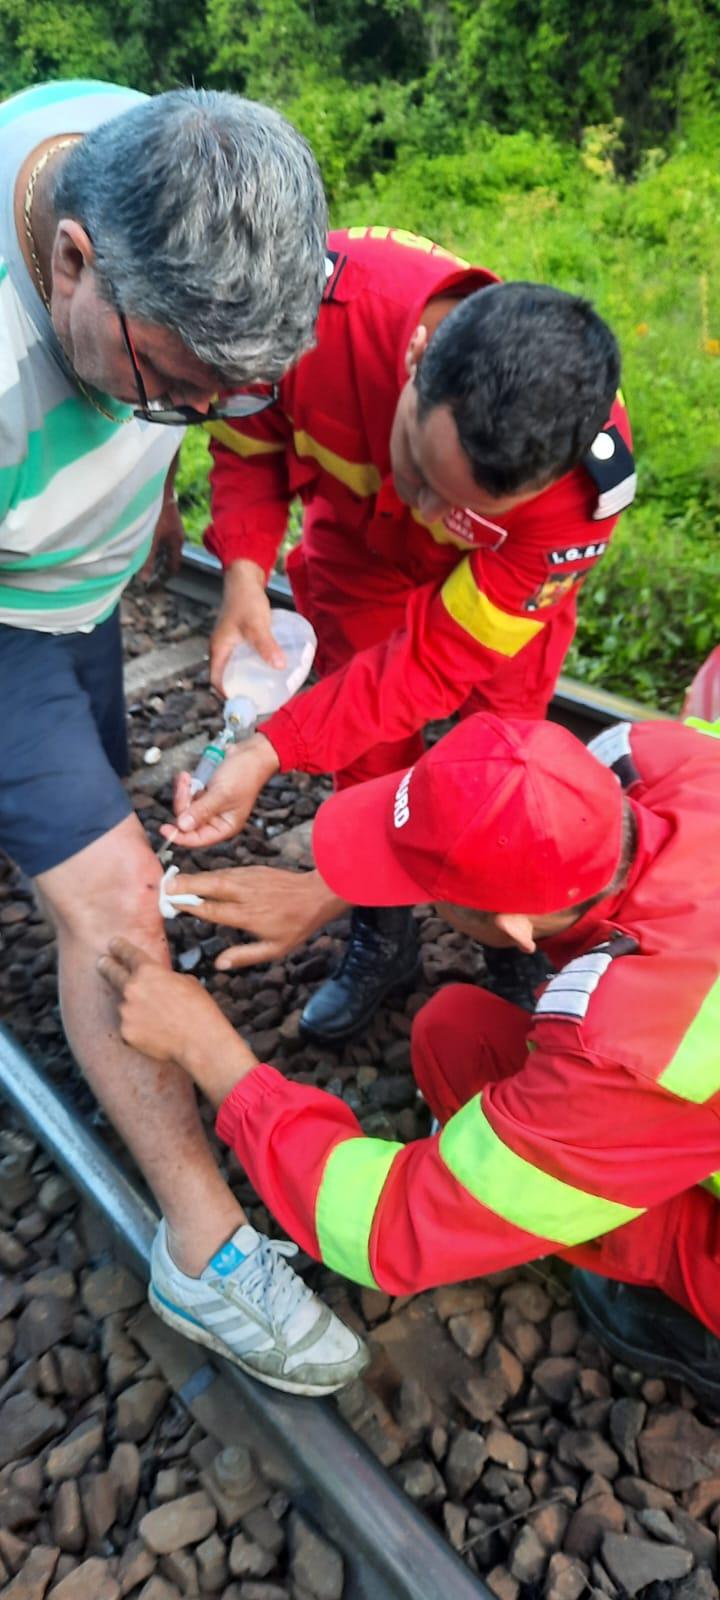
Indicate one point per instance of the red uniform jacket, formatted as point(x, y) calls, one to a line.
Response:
point(494, 620)
point(614, 1109)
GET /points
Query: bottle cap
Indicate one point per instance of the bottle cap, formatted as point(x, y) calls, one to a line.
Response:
point(240, 712)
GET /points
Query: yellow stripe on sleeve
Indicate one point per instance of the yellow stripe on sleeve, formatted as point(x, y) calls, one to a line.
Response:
point(360, 476)
point(242, 444)
point(481, 618)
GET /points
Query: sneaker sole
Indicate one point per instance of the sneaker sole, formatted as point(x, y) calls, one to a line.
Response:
point(195, 1332)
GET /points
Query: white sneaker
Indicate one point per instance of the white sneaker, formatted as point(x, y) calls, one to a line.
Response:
point(251, 1307)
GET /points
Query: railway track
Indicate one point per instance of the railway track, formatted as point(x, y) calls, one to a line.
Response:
point(328, 1466)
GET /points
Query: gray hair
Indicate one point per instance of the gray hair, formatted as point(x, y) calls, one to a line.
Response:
point(207, 215)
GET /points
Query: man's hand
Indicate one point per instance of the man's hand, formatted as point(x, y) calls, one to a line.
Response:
point(280, 908)
point(244, 617)
point(172, 1018)
point(166, 549)
point(220, 811)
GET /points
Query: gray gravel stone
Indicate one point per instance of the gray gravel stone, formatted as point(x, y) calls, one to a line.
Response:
point(634, 1563)
point(528, 1557)
point(564, 1579)
point(556, 1377)
point(506, 1449)
point(582, 1447)
point(627, 1417)
point(314, 1564)
point(179, 1523)
point(676, 1450)
point(41, 1325)
point(69, 1458)
point(248, 1559)
point(139, 1407)
point(26, 1424)
point(465, 1462)
point(110, 1289)
point(68, 1526)
point(92, 1580)
point(33, 1578)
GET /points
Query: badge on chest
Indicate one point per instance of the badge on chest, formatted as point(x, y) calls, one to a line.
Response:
point(469, 528)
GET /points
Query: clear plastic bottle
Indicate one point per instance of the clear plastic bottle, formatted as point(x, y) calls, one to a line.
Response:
point(253, 688)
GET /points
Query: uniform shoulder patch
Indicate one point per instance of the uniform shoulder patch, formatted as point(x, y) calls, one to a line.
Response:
point(569, 993)
point(613, 748)
point(334, 267)
point(611, 465)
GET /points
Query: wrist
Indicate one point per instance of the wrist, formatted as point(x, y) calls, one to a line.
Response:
point(239, 574)
point(217, 1063)
point(263, 754)
point(323, 906)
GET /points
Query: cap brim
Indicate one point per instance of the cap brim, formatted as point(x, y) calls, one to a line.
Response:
point(352, 849)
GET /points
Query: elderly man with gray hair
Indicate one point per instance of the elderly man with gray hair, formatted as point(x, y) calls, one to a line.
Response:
point(152, 252)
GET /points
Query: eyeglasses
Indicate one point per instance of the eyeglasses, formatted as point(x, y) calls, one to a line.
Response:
point(239, 405)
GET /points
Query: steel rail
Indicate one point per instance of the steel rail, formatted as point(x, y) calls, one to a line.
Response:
point(582, 707)
point(391, 1551)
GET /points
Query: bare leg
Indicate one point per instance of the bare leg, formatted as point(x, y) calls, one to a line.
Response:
point(111, 888)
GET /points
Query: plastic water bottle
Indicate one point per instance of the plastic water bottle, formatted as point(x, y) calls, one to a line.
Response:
point(253, 688)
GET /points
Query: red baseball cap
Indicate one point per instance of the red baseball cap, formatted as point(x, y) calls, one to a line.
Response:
point(499, 816)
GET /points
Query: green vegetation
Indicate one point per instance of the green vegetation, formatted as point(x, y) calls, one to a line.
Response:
point(533, 136)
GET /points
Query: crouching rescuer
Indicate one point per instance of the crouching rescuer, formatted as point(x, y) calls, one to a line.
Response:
point(588, 1129)
point(461, 454)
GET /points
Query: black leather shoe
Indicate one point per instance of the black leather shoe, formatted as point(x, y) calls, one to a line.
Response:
point(382, 954)
point(645, 1329)
point(512, 975)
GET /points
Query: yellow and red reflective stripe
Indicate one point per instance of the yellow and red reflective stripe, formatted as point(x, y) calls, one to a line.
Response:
point(519, 1192)
point(360, 476)
point(694, 1071)
point(352, 1183)
point(473, 611)
point(242, 444)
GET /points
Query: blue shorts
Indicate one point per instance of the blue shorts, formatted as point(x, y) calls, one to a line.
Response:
point(63, 742)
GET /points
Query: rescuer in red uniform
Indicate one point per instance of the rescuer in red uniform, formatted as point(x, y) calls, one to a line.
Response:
point(590, 1129)
point(461, 456)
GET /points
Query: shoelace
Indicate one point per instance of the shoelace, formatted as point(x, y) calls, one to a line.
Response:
point(364, 942)
point(273, 1286)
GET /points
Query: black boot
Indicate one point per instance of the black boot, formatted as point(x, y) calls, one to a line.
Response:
point(645, 1329)
point(382, 953)
point(512, 975)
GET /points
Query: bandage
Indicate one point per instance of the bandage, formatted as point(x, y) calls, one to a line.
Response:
point(169, 903)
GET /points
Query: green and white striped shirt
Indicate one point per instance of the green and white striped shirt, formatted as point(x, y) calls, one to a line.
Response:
point(79, 494)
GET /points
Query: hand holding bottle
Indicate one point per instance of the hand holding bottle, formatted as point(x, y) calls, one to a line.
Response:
point(244, 618)
point(220, 811)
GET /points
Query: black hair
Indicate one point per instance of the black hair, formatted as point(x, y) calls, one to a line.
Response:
point(529, 374)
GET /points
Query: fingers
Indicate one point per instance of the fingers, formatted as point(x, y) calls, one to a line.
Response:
point(196, 835)
point(260, 637)
point(249, 955)
point(114, 973)
point(121, 960)
point(182, 795)
point(219, 653)
point(129, 955)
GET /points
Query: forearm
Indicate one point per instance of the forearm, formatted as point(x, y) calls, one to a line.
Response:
point(386, 692)
point(169, 495)
point(218, 1062)
point(380, 1212)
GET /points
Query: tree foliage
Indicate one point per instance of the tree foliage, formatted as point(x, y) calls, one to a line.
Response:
point(575, 145)
point(382, 73)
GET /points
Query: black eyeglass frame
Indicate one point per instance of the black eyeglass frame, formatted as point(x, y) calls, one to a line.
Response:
point(240, 405)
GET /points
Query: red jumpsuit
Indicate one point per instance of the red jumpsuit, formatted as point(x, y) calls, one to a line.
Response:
point(412, 623)
point(584, 1130)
